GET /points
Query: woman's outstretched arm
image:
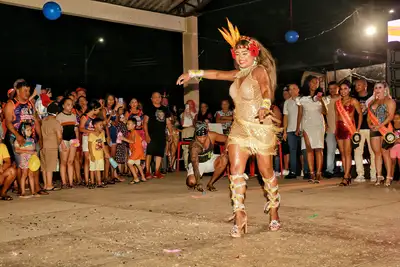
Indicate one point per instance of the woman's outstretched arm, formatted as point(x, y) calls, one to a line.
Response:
point(207, 74)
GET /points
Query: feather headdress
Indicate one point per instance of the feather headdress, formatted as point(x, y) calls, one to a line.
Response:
point(232, 37)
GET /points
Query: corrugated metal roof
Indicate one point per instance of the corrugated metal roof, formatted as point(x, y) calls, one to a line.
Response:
point(172, 7)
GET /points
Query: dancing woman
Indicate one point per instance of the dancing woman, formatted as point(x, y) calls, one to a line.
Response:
point(252, 132)
point(345, 128)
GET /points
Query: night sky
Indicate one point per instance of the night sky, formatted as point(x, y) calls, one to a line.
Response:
point(135, 61)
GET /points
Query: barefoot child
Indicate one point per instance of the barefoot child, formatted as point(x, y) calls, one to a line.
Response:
point(136, 153)
point(97, 151)
point(25, 153)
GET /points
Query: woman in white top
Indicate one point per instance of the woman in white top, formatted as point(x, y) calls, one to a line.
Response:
point(312, 109)
point(224, 116)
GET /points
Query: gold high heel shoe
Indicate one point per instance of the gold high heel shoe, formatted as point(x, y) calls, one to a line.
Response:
point(238, 229)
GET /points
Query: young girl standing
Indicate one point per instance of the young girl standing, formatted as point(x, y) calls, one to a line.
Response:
point(25, 153)
point(70, 141)
point(136, 153)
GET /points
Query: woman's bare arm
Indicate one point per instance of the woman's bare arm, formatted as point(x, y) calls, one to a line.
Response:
point(220, 75)
point(207, 74)
point(299, 117)
point(260, 74)
point(357, 106)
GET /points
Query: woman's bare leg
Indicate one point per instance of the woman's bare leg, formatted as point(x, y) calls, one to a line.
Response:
point(347, 151)
point(49, 180)
point(388, 163)
point(106, 173)
point(376, 143)
point(310, 155)
point(173, 149)
point(113, 153)
point(86, 167)
point(342, 154)
point(319, 154)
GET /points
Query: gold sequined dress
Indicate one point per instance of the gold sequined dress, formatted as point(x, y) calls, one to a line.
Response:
point(247, 131)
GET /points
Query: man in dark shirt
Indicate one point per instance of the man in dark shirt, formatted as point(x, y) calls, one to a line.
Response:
point(156, 119)
point(363, 96)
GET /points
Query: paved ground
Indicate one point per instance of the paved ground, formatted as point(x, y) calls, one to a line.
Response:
point(131, 225)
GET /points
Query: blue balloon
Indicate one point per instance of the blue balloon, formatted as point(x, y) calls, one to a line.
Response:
point(291, 36)
point(52, 10)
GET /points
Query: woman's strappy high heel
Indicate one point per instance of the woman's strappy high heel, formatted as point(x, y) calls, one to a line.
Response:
point(237, 229)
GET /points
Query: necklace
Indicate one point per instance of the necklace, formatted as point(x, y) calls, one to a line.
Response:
point(245, 71)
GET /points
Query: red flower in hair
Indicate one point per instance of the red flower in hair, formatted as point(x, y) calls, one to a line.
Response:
point(233, 53)
point(254, 49)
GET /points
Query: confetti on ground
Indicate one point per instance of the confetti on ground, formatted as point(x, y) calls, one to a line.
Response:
point(197, 196)
point(172, 250)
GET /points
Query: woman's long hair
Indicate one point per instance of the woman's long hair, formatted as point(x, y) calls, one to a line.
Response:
point(190, 101)
point(267, 61)
point(305, 91)
point(387, 88)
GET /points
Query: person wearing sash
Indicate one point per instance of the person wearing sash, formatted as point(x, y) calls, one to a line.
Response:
point(253, 131)
point(346, 130)
point(381, 112)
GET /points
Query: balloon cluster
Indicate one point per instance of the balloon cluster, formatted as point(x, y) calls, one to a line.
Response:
point(291, 36)
point(52, 10)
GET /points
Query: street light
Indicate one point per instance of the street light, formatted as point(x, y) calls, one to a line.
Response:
point(391, 11)
point(370, 30)
point(87, 56)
